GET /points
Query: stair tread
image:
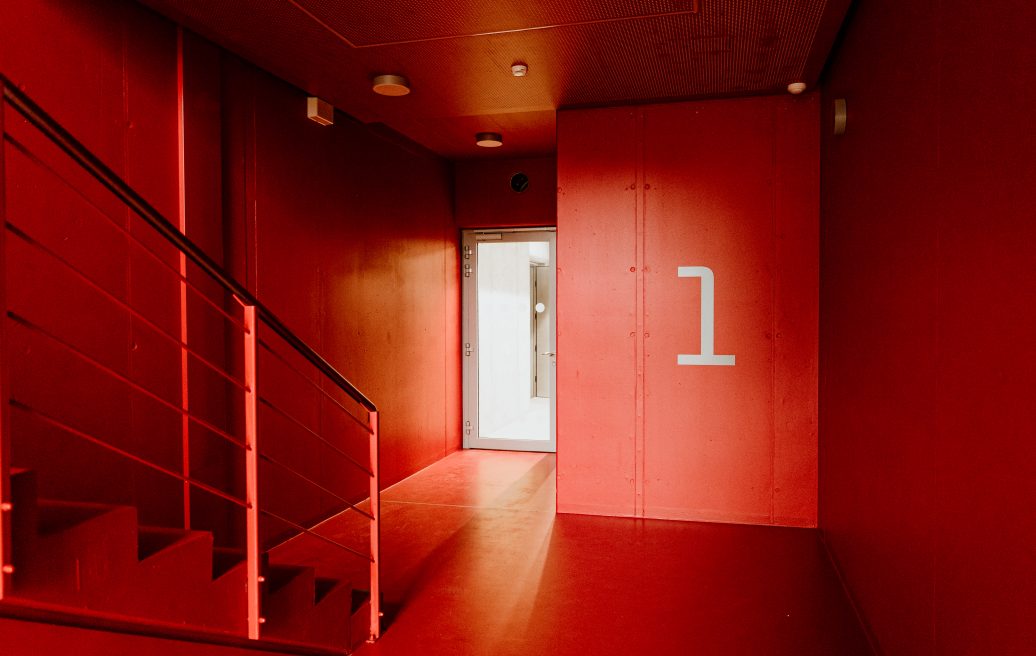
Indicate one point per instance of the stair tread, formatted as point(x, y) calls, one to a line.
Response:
point(56, 516)
point(360, 597)
point(204, 583)
point(153, 540)
point(225, 560)
point(279, 577)
point(323, 587)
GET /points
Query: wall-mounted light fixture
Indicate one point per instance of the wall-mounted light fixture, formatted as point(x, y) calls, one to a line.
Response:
point(489, 139)
point(391, 85)
point(320, 111)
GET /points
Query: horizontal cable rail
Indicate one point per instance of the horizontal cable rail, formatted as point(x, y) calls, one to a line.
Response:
point(130, 237)
point(313, 433)
point(306, 479)
point(74, 149)
point(234, 342)
point(123, 305)
point(125, 379)
point(266, 347)
point(71, 430)
point(310, 531)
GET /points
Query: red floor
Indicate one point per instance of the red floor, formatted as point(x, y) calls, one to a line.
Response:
point(476, 562)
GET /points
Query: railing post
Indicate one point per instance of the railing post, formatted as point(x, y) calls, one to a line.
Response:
point(375, 631)
point(6, 503)
point(252, 475)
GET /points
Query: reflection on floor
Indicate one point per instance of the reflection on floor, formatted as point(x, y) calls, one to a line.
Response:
point(476, 562)
point(533, 425)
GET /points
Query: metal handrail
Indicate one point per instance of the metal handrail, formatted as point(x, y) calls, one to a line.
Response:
point(312, 433)
point(129, 236)
point(96, 286)
point(312, 383)
point(255, 314)
point(74, 149)
point(126, 380)
point(104, 444)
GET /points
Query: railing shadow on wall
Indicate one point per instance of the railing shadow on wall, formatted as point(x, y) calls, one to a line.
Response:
point(136, 370)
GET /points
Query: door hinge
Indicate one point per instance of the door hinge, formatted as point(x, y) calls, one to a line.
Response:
point(467, 349)
point(467, 428)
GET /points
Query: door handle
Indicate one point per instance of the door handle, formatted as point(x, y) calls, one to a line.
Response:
point(550, 354)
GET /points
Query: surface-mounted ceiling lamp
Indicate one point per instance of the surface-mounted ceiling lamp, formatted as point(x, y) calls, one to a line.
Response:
point(795, 88)
point(391, 85)
point(489, 139)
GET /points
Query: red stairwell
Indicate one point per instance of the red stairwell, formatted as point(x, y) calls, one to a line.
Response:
point(72, 554)
point(96, 558)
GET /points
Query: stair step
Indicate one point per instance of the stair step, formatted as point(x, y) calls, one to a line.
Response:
point(224, 560)
point(329, 622)
point(290, 586)
point(152, 539)
point(180, 564)
point(78, 553)
point(302, 608)
point(24, 516)
point(58, 516)
point(96, 557)
point(187, 552)
point(360, 597)
point(323, 587)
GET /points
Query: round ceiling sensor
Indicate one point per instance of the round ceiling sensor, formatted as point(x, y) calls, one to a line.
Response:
point(795, 88)
point(489, 139)
point(519, 183)
point(391, 85)
point(519, 70)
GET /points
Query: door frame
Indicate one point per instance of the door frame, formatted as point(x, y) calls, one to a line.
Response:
point(469, 335)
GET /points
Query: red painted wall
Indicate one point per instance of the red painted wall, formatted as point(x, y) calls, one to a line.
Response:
point(483, 197)
point(731, 185)
point(347, 236)
point(108, 72)
point(356, 247)
point(927, 381)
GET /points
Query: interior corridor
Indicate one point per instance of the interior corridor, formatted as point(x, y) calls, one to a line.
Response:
point(475, 561)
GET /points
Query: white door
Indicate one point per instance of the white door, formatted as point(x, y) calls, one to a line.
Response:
point(508, 339)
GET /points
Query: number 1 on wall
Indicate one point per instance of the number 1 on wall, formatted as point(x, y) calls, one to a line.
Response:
point(708, 320)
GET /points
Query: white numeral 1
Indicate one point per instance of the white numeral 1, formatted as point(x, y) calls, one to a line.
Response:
point(708, 319)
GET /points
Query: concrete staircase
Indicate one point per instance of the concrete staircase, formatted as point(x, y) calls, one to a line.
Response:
point(98, 560)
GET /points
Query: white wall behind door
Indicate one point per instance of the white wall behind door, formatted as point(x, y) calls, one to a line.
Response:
point(505, 349)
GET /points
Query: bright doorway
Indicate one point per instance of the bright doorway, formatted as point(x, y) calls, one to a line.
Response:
point(508, 339)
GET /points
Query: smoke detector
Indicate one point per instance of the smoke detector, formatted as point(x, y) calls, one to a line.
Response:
point(519, 70)
point(795, 88)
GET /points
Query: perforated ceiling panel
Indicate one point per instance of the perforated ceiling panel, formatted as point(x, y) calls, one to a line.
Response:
point(365, 23)
point(457, 55)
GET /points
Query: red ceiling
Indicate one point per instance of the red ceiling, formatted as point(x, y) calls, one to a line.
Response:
point(457, 55)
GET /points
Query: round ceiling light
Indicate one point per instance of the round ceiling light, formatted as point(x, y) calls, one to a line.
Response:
point(795, 88)
point(391, 85)
point(489, 139)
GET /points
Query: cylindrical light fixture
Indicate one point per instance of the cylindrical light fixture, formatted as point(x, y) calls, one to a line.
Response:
point(489, 139)
point(391, 85)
